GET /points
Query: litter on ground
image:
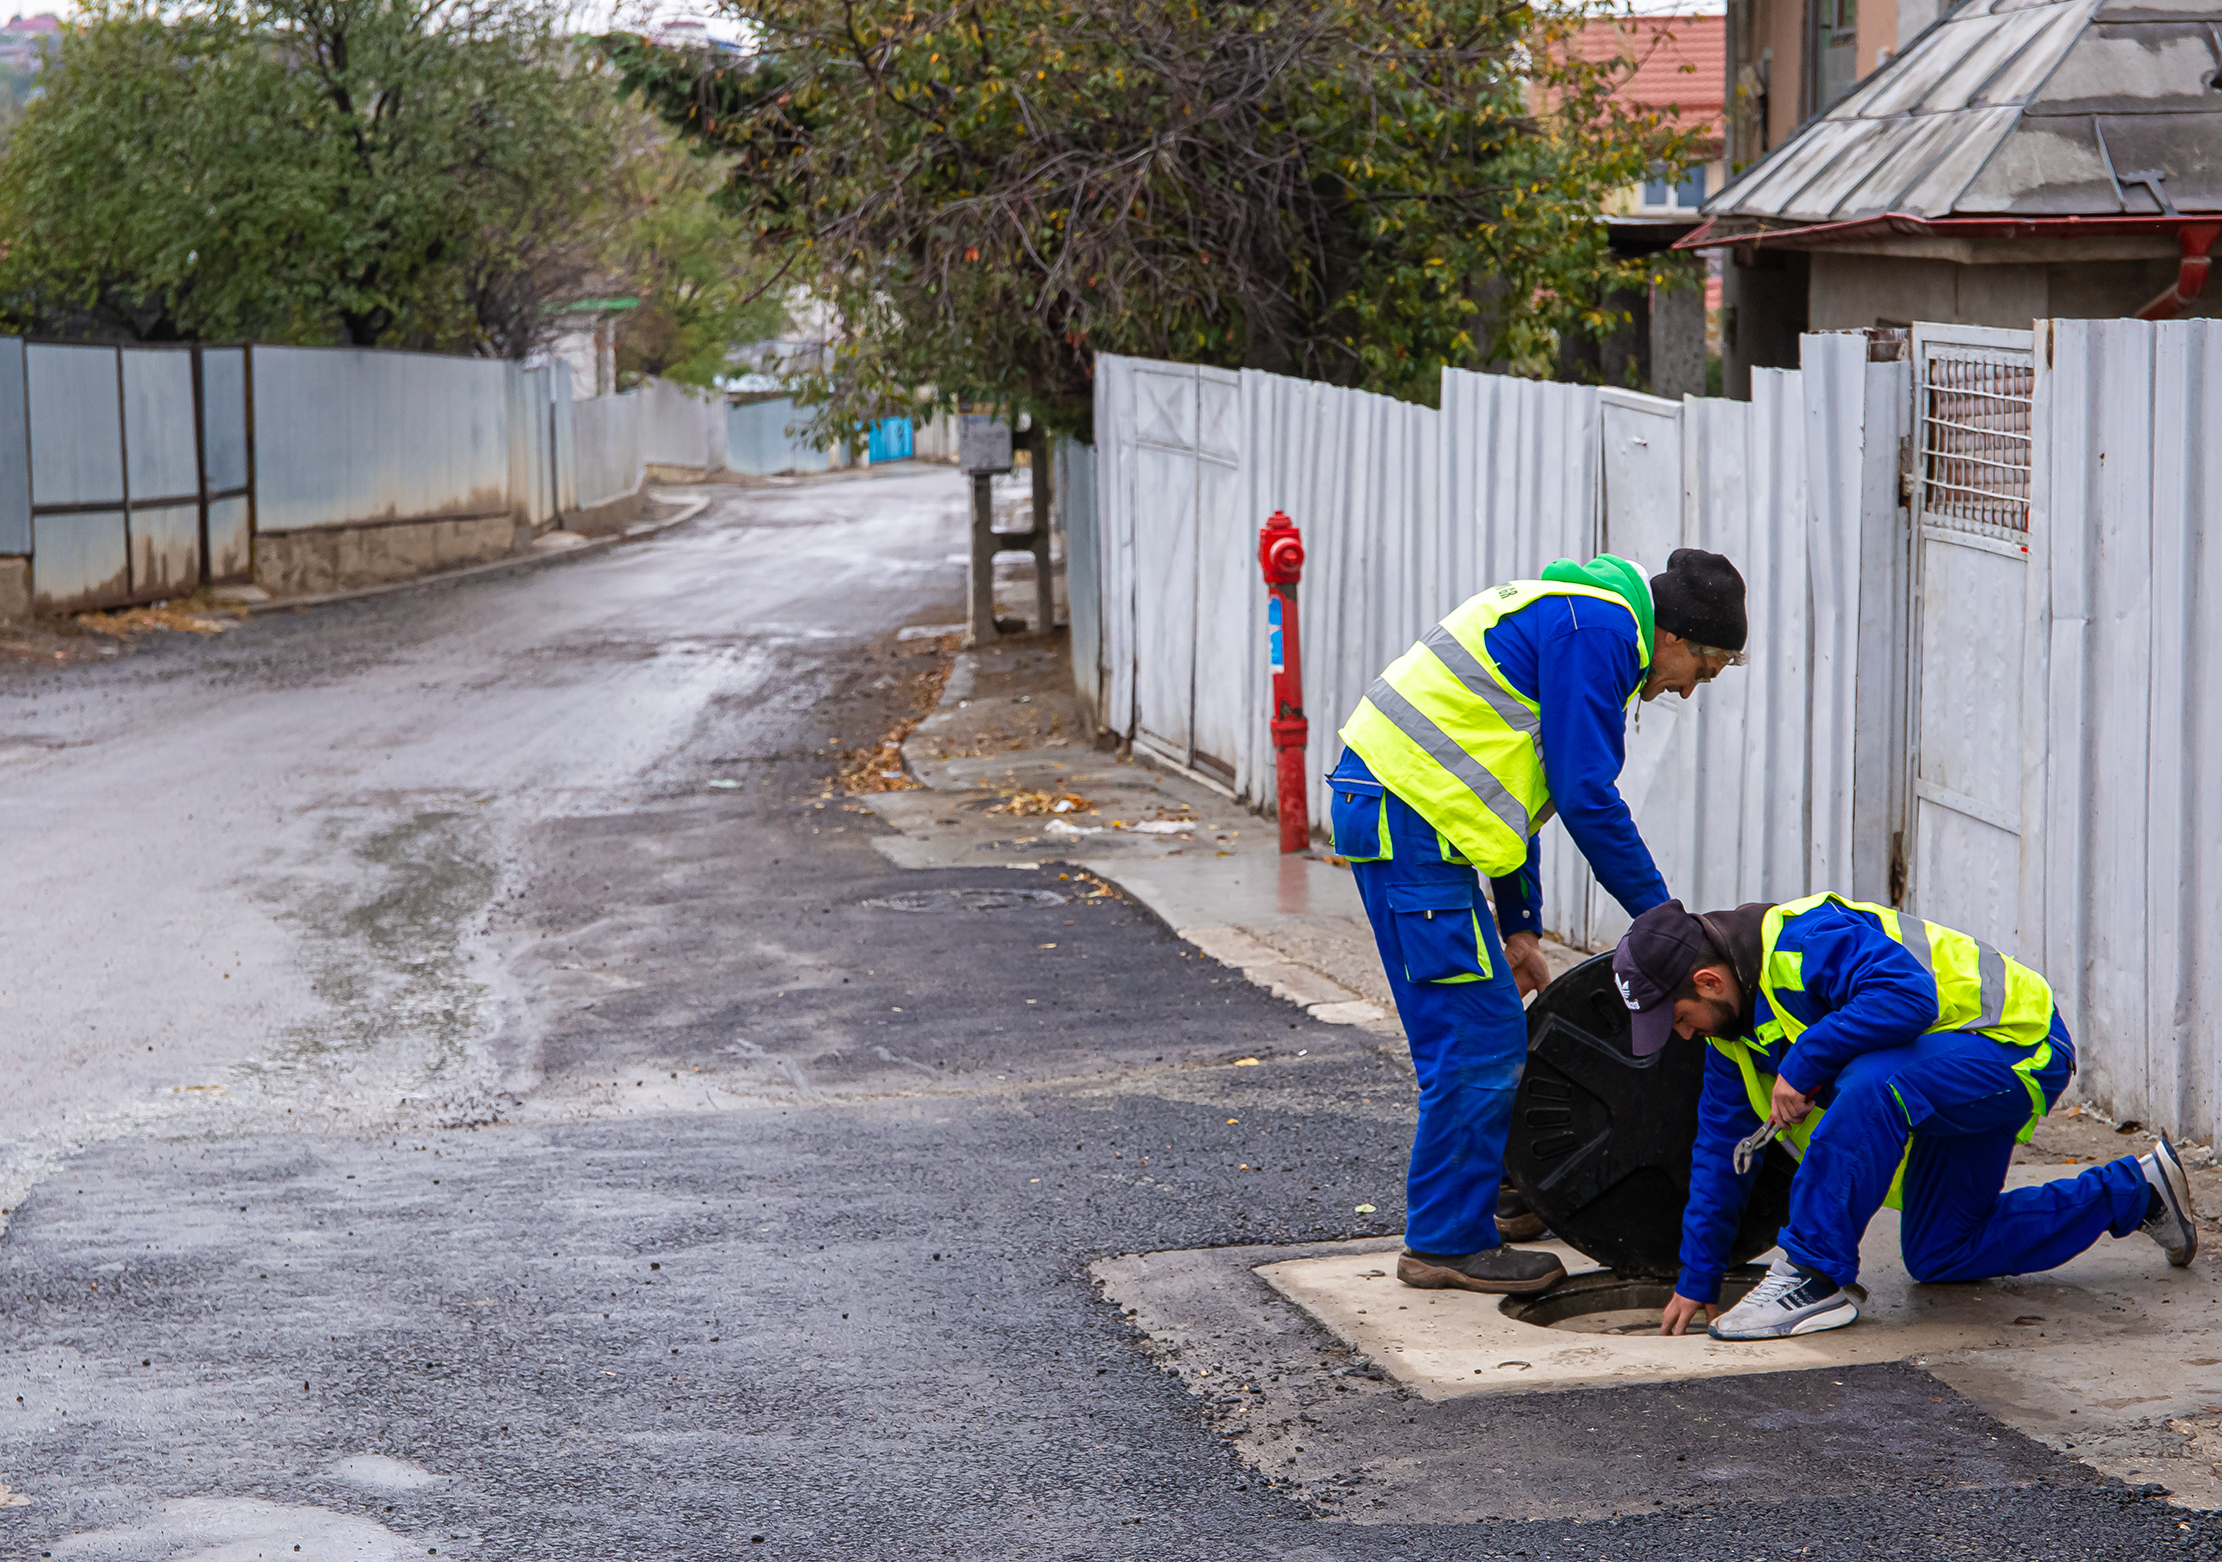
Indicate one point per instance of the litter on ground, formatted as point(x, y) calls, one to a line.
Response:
point(1043, 803)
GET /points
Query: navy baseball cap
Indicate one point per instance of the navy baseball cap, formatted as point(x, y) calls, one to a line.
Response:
point(1662, 948)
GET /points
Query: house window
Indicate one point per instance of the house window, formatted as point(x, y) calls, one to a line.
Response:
point(1688, 194)
point(1835, 51)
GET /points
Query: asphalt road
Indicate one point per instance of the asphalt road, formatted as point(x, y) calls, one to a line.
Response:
point(449, 1124)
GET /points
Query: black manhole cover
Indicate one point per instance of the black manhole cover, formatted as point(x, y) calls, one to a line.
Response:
point(1615, 1304)
point(1601, 1139)
point(966, 899)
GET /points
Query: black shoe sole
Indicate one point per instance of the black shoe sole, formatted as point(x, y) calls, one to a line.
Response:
point(1440, 1277)
point(1520, 1228)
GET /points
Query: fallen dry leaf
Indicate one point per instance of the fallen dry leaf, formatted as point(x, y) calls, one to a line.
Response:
point(881, 769)
point(176, 617)
point(1044, 803)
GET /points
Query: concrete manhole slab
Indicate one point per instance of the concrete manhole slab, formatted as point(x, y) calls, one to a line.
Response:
point(965, 899)
point(2118, 1300)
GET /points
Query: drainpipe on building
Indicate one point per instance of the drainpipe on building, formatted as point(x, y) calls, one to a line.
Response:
point(2195, 240)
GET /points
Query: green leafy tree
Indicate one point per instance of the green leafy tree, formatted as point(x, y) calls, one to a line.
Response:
point(692, 263)
point(376, 172)
point(986, 195)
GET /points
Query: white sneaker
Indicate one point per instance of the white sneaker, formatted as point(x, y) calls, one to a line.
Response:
point(2171, 1223)
point(1792, 1299)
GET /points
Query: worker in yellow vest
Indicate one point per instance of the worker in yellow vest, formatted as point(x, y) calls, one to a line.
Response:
point(1512, 708)
point(1901, 1062)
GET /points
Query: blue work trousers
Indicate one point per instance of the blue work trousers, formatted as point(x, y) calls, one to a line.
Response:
point(1955, 1094)
point(1459, 1004)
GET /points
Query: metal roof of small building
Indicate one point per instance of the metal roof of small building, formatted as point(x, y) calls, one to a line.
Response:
point(2011, 109)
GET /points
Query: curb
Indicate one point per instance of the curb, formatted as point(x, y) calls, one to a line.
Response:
point(690, 508)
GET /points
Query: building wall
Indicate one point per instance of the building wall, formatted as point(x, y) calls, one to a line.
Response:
point(1763, 313)
point(1780, 35)
point(1768, 37)
point(1878, 34)
point(1850, 291)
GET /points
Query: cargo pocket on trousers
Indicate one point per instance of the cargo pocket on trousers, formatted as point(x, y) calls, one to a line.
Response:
point(1439, 931)
point(1354, 810)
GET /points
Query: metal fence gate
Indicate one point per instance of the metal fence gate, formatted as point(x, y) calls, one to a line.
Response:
point(1959, 853)
point(140, 481)
point(1184, 457)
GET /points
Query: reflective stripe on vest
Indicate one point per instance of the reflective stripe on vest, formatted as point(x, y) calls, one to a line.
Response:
point(1444, 729)
point(1978, 989)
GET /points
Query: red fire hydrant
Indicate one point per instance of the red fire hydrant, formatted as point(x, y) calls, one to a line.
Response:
point(1281, 556)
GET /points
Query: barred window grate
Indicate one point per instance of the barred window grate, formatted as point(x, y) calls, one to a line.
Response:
point(1976, 443)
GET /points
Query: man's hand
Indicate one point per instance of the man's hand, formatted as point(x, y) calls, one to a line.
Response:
point(1789, 1106)
point(1524, 953)
point(1682, 1312)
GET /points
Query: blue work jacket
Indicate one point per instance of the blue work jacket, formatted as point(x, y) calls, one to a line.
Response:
point(1864, 991)
point(1577, 658)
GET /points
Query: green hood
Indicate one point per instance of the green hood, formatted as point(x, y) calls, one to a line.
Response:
point(1610, 572)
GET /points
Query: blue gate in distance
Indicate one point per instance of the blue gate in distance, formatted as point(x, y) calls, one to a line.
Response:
point(890, 440)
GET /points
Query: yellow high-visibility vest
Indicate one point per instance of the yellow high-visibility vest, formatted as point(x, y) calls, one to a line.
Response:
point(1977, 989)
point(1445, 730)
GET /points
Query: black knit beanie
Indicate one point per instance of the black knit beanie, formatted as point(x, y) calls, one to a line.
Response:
point(1700, 598)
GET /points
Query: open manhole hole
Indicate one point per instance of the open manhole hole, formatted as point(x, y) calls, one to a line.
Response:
point(966, 899)
point(1605, 1303)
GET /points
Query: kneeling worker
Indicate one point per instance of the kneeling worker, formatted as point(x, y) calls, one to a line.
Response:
point(1934, 1055)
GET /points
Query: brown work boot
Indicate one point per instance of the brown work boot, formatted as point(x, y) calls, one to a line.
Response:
point(1515, 1221)
point(1499, 1270)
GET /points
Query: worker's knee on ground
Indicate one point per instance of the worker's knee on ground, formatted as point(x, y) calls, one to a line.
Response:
point(1937, 1265)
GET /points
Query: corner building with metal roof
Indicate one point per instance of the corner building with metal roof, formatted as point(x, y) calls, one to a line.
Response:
point(2016, 160)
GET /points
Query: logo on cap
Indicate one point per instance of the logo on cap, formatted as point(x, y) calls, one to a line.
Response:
point(1626, 996)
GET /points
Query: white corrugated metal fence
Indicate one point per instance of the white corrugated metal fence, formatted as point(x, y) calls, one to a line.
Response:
point(2001, 718)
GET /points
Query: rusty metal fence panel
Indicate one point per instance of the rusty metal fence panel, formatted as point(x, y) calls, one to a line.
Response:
point(162, 471)
point(349, 436)
point(138, 473)
point(81, 550)
point(606, 442)
point(227, 463)
point(15, 452)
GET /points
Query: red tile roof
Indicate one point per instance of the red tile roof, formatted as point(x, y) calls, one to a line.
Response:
point(1677, 63)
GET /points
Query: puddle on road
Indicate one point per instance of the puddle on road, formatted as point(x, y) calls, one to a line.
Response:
point(965, 899)
point(220, 1529)
point(391, 942)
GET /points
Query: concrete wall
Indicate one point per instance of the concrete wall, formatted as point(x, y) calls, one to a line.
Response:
point(15, 590)
point(1849, 292)
point(1763, 313)
point(342, 558)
